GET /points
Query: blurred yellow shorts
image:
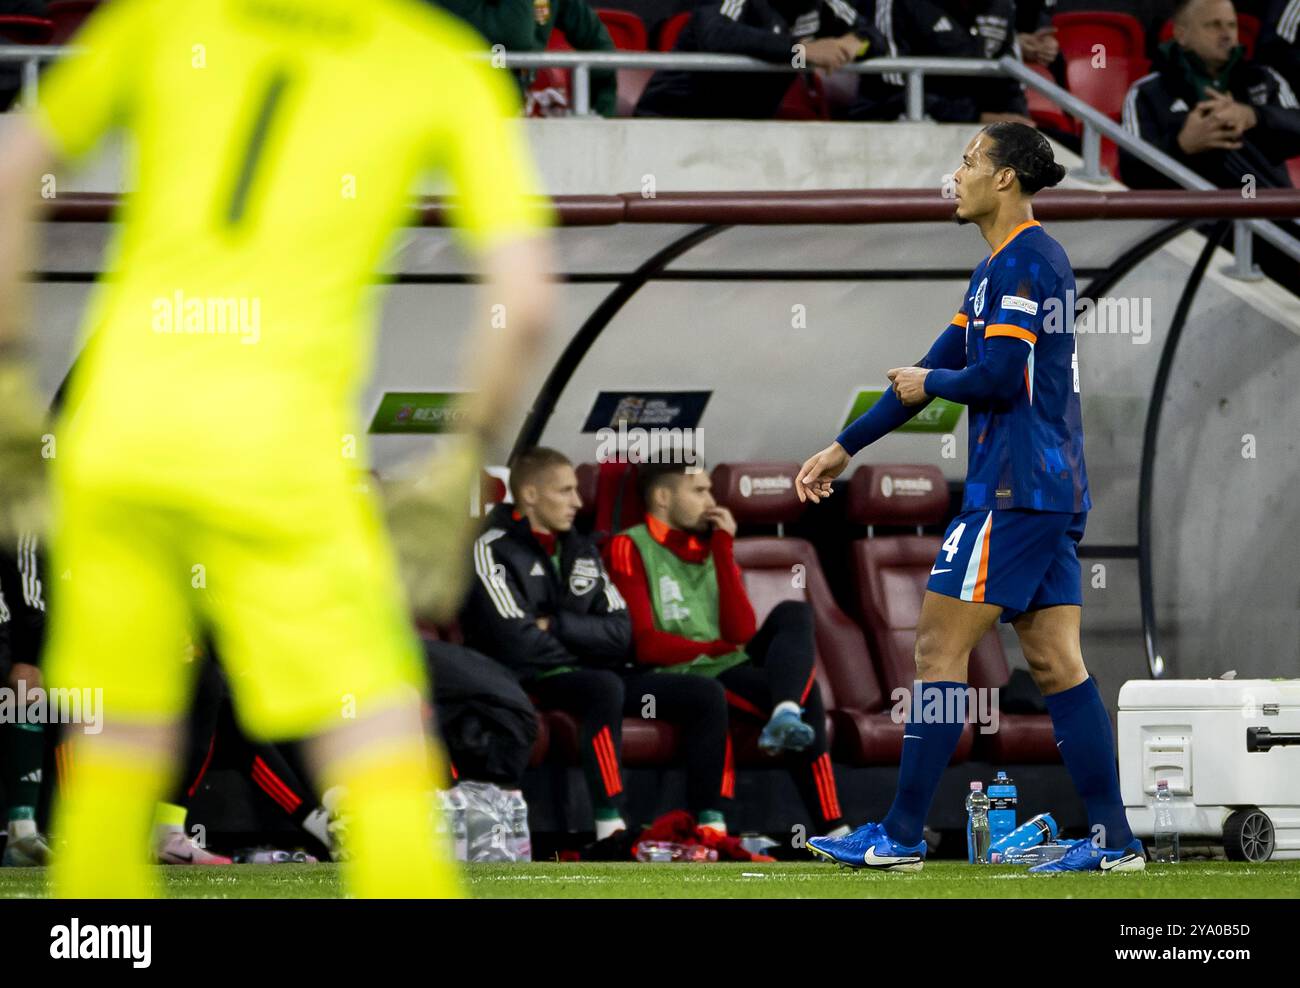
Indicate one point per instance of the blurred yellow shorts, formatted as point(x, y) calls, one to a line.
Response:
point(299, 594)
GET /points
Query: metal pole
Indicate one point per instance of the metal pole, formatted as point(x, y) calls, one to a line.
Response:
point(915, 95)
point(1243, 267)
point(581, 90)
point(31, 73)
point(1092, 170)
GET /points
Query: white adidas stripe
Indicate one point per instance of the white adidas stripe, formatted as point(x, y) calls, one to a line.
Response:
point(484, 563)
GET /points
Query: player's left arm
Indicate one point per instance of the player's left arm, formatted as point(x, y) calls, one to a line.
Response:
point(1016, 313)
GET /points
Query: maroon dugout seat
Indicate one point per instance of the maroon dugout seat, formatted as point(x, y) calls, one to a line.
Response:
point(21, 29)
point(68, 16)
point(776, 569)
point(890, 573)
point(587, 485)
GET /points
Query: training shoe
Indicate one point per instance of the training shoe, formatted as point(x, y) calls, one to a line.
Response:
point(869, 847)
point(786, 731)
point(1087, 856)
point(177, 849)
point(32, 851)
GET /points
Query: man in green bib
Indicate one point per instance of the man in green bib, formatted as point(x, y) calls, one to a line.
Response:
point(691, 616)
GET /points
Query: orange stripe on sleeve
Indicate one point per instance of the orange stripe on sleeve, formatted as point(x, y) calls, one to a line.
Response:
point(959, 320)
point(1005, 329)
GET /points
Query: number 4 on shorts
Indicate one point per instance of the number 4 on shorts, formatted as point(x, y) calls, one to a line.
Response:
point(954, 541)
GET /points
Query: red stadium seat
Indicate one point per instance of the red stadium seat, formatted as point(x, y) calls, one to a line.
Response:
point(1293, 166)
point(1046, 113)
point(671, 29)
point(1104, 88)
point(628, 33)
point(890, 574)
point(68, 16)
point(626, 30)
point(1247, 32)
point(805, 99)
point(19, 29)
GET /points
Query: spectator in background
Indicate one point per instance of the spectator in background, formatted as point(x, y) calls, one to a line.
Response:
point(526, 25)
point(833, 32)
point(545, 607)
point(1227, 118)
point(947, 29)
point(692, 620)
point(1035, 34)
point(1208, 106)
point(1279, 40)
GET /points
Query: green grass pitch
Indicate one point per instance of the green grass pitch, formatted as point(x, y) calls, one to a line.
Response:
point(814, 880)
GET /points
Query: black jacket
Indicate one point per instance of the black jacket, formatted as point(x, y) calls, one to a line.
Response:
point(766, 29)
point(485, 719)
point(1157, 105)
point(22, 604)
point(945, 29)
point(1279, 40)
point(516, 583)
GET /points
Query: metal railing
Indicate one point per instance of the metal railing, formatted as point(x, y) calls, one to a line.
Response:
point(1095, 124)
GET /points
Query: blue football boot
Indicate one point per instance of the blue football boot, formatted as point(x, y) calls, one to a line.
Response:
point(869, 847)
point(1087, 856)
point(786, 731)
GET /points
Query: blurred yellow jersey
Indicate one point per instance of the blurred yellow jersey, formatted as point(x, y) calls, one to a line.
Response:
point(274, 147)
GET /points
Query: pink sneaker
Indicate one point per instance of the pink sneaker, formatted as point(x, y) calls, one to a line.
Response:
point(177, 849)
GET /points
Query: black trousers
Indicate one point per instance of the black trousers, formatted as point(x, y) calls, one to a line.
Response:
point(781, 668)
point(215, 739)
point(599, 699)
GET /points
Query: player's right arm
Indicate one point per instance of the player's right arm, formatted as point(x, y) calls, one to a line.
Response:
point(82, 98)
point(813, 482)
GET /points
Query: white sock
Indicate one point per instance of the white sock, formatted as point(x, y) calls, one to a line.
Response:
point(841, 831)
point(789, 705)
point(18, 829)
point(316, 823)
point(607, 828)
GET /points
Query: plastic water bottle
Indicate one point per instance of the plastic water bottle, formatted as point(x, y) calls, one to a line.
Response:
point(977, 824)
point(1030, 856)
point(1002, 807)
point(521, 841)
point(456, 808)
point(1165, 842)
point(1041, 829)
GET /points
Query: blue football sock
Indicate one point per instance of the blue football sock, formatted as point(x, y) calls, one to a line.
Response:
point(927, 749)
point(1087, 746)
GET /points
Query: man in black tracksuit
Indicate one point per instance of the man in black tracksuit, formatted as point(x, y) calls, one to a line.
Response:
point(1229, 119)
point(1279, 40)
point(544, 606)
point(946, 29)
point(833, 33)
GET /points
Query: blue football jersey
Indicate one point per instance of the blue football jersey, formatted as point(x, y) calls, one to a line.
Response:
point(1026, 453)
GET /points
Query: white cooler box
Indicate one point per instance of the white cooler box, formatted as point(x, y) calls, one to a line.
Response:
point(1230, 750)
